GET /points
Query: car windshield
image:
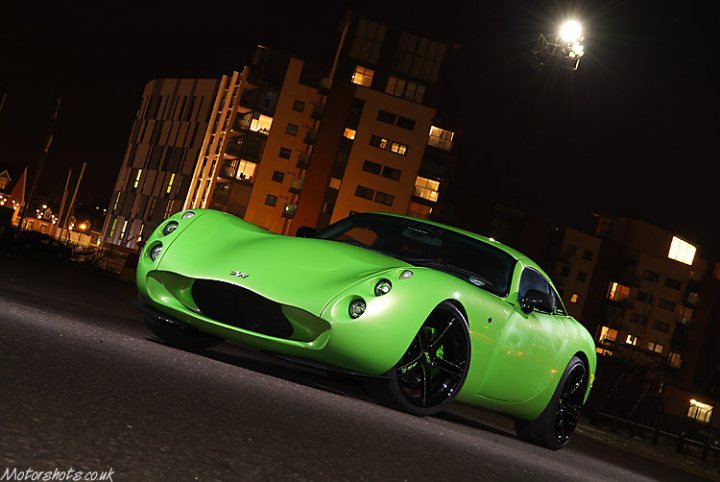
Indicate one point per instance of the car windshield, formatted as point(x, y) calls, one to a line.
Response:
point(423, 244)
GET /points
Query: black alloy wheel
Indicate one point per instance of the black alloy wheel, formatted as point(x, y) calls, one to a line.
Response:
point(570, 403)
point(433, 369)
point(554, 427)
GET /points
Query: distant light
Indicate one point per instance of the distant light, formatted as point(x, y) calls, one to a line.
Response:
point(492, 239)
point(570, 31)
point(682, 251)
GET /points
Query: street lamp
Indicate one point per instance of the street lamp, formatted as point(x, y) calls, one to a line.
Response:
point(565, 49)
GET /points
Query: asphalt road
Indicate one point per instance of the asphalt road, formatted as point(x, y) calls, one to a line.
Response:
point(84, 385)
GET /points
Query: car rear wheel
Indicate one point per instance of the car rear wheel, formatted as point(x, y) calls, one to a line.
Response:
point(556, 424)
point(180, 335)
point(433, 369)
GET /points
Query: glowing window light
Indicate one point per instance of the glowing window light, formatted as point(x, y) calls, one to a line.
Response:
point(170, 184)
point(574, 298)
point(631, 340)
point(349, 133)
point(682, 251)
point(137, 179)
point(699, 411)
point(618, 292)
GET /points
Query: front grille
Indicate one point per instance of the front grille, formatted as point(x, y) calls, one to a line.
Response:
point(237, 306)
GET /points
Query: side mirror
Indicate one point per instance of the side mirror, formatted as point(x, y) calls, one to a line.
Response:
point(306, 232)
point(536, 300)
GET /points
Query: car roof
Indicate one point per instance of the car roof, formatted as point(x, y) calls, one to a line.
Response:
point(517, 255)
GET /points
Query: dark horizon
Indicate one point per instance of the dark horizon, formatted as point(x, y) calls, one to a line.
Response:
point(629, 132)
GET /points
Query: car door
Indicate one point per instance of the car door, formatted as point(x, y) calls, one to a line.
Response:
point(527, 353)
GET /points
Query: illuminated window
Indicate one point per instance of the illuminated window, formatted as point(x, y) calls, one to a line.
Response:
point(603, 351)
point(122, 231)
point(426, 188)
point(574, 298)
point(379, 142)
point(607, 334)
point(246, 170)
point(419, 210)
point(441, 138)
point(685, 314)
point(675, 359)
point(398, 148)
point(702, 412)
point(335, 183)
point(631, 340)
point(110, 234)
point(137, 179)
point(170, 183)
point(349, 133)
point(262, 124)
point(656, 347)
point(117, 200)
point(363, 76)
point(682, 251)
point(618, 292)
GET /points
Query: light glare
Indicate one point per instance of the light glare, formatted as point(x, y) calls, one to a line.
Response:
point(682, 251)
point(570, 31)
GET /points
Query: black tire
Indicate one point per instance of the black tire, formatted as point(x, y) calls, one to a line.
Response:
point(554, 427)
point(180, 335)
point(434, 367)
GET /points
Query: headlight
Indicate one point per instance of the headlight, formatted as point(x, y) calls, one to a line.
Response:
point(170, 227)
point(155, 251)
point(383, 287)
point(188, 215)
point(357, 308)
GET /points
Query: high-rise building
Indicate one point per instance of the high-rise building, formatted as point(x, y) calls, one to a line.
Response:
point(285, 143)
point(168, 140)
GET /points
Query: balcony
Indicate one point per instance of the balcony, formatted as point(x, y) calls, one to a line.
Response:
point(289, 210)
point(310, 136)
point(318, 111)
point(296, 186)
point(325, 85)
point(248, 145)
point(303, 161)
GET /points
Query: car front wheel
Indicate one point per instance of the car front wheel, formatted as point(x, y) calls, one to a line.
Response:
point(433, 369)
point(554, 427)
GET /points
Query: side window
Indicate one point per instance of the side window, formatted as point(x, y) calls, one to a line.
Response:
point(532, 280)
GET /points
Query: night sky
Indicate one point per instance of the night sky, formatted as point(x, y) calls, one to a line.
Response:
point(633, 131)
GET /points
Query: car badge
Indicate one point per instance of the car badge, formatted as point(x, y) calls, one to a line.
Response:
point(239, 274)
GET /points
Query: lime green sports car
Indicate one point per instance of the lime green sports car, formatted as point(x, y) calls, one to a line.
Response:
point(428, 312)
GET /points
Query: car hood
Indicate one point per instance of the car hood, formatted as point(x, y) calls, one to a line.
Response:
point(302, 272)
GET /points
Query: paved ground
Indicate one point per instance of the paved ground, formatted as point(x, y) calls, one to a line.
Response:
point(84, 385)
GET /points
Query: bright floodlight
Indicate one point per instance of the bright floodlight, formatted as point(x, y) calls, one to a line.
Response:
point(570, 31)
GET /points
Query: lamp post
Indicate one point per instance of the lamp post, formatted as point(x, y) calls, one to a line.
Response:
point(564, 50)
